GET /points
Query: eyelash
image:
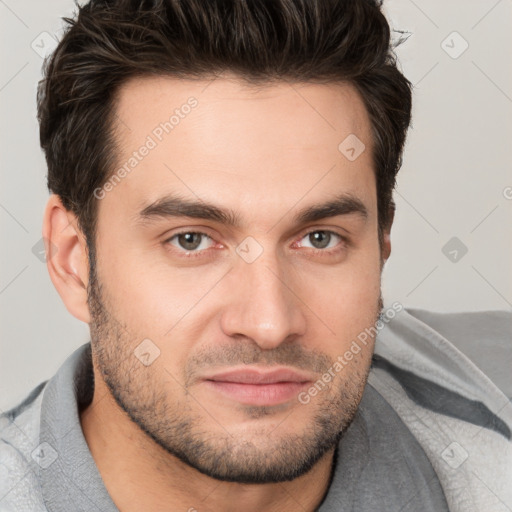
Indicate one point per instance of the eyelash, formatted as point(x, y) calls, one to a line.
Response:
point(195, 253)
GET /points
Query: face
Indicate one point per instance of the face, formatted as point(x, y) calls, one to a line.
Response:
point(212, 324)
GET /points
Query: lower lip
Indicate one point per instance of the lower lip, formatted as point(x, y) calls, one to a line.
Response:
point(258, 394)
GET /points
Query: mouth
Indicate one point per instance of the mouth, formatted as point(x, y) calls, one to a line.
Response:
point(256, 387)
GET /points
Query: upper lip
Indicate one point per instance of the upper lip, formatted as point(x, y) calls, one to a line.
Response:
point(260, 376)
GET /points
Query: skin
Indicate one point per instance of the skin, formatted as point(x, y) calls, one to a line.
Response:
point(161, 438)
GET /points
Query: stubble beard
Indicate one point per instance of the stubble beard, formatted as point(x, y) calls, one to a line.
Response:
point(183, 429)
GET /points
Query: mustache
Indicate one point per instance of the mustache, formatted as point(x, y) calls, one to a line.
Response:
point(248, 353)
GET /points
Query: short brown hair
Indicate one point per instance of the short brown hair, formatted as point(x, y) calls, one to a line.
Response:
point(111, 41)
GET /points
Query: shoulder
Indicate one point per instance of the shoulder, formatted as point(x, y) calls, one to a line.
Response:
point(485, 337)
point(467, 352)
point(20, 455)
point(447, 377)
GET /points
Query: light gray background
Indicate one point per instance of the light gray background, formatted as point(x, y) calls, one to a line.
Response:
point(455, 181)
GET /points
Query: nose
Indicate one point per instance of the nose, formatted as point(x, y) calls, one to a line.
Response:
point(263, 304)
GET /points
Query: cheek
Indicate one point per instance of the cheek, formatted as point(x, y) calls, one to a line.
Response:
point(138, 294)
point(348, 293)
point(348, 304)
point(154, 300)
point(148, 304)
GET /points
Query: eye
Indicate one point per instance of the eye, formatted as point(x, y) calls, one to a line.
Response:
point(193, 243)
point(325, 241)
point(190, 241)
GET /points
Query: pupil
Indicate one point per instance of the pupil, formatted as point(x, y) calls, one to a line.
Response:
point(317, 236)
point(188, 239)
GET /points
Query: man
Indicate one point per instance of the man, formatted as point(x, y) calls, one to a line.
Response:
point(221, 178)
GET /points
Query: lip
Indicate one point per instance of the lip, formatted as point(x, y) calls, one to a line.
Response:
point(259, 376)
point(259, 387)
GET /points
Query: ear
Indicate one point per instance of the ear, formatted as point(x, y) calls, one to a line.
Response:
point(66, 257)
point(386, 236)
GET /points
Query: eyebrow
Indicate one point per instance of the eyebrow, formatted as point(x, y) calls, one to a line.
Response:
point(176, 206)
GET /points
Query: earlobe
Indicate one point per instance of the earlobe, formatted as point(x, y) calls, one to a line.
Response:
point(386, 246)
point(386, 242)
point(66, 257)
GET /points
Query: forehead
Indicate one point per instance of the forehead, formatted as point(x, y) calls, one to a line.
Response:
point(223, 141)
point(229, 104)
